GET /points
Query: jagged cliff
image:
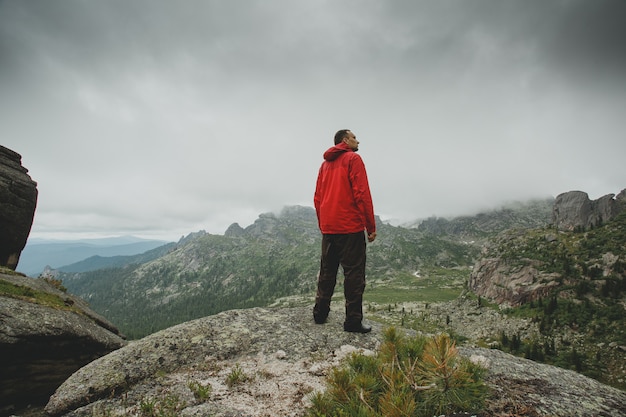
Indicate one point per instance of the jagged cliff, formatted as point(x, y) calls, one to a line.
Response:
point(574, 210)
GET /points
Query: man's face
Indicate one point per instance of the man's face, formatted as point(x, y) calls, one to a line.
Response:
point(351, 141)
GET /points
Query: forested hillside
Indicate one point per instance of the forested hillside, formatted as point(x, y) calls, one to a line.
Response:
point(277, 256)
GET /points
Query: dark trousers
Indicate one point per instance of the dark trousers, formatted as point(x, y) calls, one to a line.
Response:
point(348, 251)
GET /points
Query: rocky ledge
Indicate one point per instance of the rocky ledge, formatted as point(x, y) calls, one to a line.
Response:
point(45, 335)
point(279, 357)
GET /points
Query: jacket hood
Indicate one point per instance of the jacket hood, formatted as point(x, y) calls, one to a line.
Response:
point(333, 153)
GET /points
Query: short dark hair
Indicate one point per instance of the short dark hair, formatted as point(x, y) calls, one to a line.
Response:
point(340, 135)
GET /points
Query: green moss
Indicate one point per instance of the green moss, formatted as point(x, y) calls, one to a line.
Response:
point(8, 271)
point(20, 292)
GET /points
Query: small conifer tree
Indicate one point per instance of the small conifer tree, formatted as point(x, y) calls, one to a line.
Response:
point(408, 377)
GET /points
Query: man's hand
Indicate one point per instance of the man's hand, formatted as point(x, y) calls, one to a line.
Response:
point(371, 237)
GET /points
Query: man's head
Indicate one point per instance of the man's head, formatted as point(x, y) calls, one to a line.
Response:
point(346, 136)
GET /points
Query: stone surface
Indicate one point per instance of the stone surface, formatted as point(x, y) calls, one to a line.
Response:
point(18, 200)
point(283, 357)
point(532, 388)
point(43, 345)
point(498, 281)
point(574, 210)
point(234, 230)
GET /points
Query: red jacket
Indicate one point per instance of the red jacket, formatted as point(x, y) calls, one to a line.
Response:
point(342, 196)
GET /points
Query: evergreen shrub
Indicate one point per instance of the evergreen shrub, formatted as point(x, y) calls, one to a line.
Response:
point(417, 377)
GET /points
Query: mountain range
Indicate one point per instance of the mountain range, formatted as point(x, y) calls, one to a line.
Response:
point(276, 257)
point(41, 253)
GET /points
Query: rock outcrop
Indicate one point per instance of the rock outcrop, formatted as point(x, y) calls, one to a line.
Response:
point(45, 335)
point(280, 357)
point(575, 211)
point(507, 274)
point(281, 226)
point(234, 230)
point(18, 199)
point(506, 284)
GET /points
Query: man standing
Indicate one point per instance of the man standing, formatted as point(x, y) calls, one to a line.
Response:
point(344, 212)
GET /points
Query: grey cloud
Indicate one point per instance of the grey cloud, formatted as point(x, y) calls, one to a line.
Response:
point(194, 113)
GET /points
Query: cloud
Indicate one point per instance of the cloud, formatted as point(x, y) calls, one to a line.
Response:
point(155, 117)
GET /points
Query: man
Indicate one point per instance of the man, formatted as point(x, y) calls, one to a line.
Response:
point(344, 212)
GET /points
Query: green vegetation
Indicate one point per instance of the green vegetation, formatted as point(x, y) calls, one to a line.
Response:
point(581, 320)
point(236, 376)
point(408, 377)
point(21, 292)
point(576, 334)
point(201, 392)
point(434, 285)
point(573, 255)
point(167, 406)
point(9, 271)
point(584, 314)
point(56, 283)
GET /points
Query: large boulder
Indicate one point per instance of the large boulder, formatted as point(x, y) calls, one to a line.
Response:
point(18, 199)
point(45, 335)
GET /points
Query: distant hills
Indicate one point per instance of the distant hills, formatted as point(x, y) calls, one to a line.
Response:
point(57, 254)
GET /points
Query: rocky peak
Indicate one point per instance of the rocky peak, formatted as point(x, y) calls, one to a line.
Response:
point(574, 210)
point(234, 230)
point(292, 223)
point(191, 236)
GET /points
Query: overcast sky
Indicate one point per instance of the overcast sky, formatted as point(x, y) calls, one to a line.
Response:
point(161, 118)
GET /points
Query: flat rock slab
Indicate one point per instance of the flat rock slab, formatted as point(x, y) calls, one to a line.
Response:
point(280, 357)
